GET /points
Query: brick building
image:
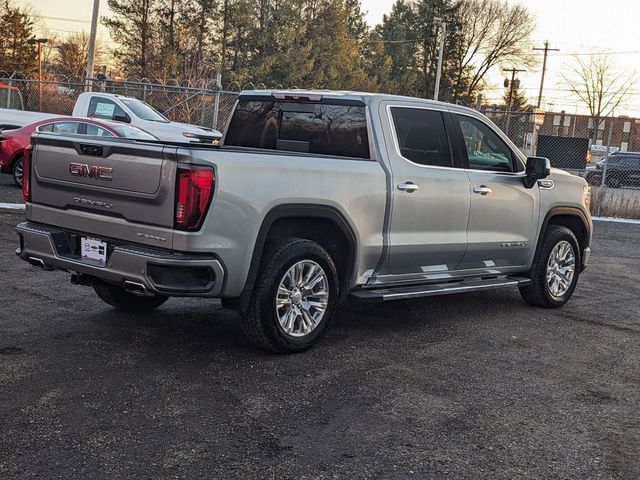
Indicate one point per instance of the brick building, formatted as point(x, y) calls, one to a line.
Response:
point(625, 131)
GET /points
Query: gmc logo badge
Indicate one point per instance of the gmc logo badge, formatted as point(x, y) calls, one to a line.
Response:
point(83, 170)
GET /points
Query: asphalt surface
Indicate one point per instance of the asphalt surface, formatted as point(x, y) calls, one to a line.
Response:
point(9, 193)
point(479, 386)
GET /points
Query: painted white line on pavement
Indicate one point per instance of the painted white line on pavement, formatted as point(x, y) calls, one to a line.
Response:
point(12, 206)
point(616, 220)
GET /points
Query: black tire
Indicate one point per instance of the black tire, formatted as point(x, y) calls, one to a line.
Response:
point(260, 322)
point(118, 297)
point(17, 172)
point(537, 293)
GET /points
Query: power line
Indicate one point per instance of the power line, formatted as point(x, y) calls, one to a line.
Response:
point(77, 20)
point(581, 54)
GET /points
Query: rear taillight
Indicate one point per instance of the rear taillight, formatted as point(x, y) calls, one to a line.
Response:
point(26, 174)
point(194, 190)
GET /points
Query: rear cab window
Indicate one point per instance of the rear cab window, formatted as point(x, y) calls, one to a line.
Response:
point(325, 128)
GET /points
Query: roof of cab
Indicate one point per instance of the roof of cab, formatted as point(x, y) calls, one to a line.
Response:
point(365, 97)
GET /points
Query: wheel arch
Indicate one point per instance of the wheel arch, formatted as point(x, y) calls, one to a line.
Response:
point(323, 224)
point(572, 218)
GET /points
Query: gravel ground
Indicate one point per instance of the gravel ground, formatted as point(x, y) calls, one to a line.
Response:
point(462, 387)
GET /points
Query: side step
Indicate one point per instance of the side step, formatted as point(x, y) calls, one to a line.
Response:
point(418, 291)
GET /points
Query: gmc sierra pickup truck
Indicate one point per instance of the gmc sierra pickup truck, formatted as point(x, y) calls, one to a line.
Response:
point(313, 197)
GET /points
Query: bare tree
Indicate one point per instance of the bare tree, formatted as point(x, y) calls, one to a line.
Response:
point(493, 32)
point(71, 58)
point(599, 84)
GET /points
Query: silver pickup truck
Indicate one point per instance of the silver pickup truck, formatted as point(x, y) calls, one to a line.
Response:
point(312, 198)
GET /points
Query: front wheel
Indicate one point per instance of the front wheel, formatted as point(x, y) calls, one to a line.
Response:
point(118, 297)
point(294, 298)
point(18, 172)
point(555, 270)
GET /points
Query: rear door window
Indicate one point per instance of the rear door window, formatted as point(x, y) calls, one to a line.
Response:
point(422, 136)
point(96, 131)
point(61, 127)
point(320, 128)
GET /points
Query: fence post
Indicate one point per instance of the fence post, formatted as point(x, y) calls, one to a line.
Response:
point(9, 93)
point(478, 102)
point(606, 154)
point(216, 102)
point(203, 109)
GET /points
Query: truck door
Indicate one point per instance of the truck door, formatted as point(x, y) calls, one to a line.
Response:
point(504, 214)
point(430, 198)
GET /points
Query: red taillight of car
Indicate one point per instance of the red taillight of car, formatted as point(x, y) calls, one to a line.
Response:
point(26, 174)
point(194, 190)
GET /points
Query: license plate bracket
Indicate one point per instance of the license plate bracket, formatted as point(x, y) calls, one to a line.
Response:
point(93, 249)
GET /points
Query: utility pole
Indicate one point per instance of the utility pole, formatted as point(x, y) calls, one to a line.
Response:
point(92, 44)
point(443, 34)
point(511, 84)
point(546, 50)
point(39, 42)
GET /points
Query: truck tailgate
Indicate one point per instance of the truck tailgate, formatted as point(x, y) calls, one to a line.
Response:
point(110, 187)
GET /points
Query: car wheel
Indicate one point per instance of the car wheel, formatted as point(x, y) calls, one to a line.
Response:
point(295, 296)
point(555, 270)
point(18, 172)
point(118, 297)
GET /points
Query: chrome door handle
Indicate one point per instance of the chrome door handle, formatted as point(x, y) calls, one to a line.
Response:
point(482, 190)
point(408, 187)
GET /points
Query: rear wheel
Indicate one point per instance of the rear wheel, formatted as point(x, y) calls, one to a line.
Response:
point(118, 297)
point(555, 270)
point(18, 172)
point(295, 296)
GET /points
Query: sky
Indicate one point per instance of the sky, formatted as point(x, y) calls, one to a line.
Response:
point(573, 26)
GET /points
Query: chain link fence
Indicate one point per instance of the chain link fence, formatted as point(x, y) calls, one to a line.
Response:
point(205, 105)
point(605, 151)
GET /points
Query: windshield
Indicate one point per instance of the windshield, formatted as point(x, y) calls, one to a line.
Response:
point(134, 133)
point(144, 111)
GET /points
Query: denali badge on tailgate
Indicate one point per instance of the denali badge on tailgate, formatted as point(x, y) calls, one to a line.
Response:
point(83, 170)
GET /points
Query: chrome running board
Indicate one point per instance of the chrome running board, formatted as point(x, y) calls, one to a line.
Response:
point(431, 290)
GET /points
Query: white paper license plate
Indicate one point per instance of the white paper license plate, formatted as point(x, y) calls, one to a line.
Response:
point(94, 249)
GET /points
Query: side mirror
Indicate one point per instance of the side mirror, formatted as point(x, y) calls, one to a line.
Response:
point(537, 169)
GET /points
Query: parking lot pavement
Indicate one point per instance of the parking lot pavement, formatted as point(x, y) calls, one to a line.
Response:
point(464, 387)
point(9, 193)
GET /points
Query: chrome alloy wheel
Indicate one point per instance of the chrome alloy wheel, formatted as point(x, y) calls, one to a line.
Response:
point(302, 299)
point(560, 269)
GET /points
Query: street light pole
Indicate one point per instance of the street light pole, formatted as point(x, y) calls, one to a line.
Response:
point(39, 42)
point(443, 34)
point(92, 44)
